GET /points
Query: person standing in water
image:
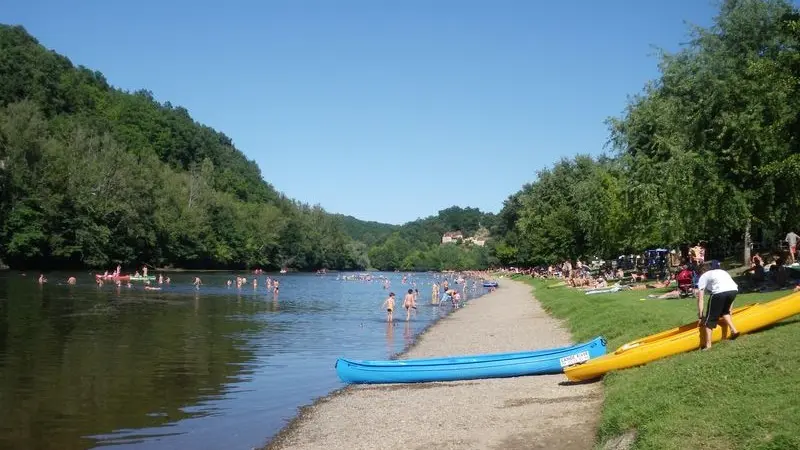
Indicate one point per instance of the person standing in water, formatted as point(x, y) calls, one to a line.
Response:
point(197, 282)
point(389, 305)
point(408, 303)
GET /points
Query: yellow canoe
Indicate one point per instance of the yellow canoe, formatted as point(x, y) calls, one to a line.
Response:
point(685, 338)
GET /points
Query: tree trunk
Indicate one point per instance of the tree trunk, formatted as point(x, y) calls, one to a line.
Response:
point(747, 243)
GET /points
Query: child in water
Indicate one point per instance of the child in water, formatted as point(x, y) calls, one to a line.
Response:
point(409, 303)
point(389, 305)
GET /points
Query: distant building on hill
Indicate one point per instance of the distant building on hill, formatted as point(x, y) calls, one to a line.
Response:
point(452, 236)
point(475, 240)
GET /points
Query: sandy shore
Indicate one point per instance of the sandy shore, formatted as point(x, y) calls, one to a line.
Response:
point(508, 413)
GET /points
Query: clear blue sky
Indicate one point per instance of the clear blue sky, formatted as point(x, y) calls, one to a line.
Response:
point(387, 111)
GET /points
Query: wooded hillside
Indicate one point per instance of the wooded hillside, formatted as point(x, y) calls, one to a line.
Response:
point(94, 176)
point(709, 151)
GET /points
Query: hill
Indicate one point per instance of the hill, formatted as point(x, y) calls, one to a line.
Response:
point(94, 176)
point(366, 231)
point(417, 245)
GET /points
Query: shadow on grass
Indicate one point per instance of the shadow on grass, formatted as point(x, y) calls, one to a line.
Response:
point(775, 325)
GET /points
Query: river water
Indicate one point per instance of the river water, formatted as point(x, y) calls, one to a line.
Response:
point(89, 367)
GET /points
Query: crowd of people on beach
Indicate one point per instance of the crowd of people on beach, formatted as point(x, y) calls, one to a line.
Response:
point(688, 275)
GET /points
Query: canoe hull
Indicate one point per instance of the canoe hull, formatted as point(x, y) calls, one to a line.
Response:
point(498, 365)
point(683, 339)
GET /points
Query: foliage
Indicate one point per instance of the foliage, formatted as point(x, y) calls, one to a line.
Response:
point(418, 245)
point(93, 176)
point(368, 232)
point(704, 152)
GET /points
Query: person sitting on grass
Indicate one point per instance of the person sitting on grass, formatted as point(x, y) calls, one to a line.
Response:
point(723, 292)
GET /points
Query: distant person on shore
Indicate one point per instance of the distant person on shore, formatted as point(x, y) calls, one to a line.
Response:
point(723, 292)
point(389, 305)
point(791, 239)
point(409, 303)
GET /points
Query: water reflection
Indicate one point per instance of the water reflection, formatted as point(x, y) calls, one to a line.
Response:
point(74, 365)
point(389, 337)
point(87, 365)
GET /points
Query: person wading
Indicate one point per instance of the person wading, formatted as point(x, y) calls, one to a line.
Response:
point(723, 292)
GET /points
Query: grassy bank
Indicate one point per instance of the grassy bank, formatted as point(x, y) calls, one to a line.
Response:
point(743, 394)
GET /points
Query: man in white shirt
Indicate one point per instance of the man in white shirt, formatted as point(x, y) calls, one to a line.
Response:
point(723, 292)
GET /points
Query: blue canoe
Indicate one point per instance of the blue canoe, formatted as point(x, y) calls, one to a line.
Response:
point(496, 365)
point(490, 284)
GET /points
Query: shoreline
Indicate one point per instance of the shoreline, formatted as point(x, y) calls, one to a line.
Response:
point(302, 411)
point(499, 321)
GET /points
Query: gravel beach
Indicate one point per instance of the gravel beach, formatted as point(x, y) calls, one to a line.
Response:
point(534, 412)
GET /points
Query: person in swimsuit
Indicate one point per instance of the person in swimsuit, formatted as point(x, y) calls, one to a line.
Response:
point(389, 305)
point(408, 303)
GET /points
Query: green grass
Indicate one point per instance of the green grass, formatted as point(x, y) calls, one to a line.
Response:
point(742, 394)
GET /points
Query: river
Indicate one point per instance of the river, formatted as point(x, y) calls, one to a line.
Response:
point(90, 367)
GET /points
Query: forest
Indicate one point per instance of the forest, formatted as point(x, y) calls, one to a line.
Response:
point(706, 152)
point(92, 176)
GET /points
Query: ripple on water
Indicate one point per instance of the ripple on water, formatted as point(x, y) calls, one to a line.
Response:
point(181, 368)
